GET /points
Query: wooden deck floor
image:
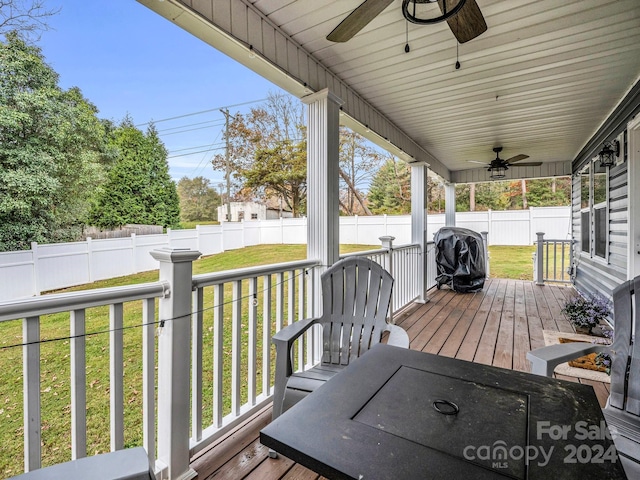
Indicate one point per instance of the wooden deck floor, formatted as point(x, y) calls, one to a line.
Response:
point(497, 326)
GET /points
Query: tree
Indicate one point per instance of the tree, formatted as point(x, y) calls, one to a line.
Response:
point(26, 17)
point(138, 188)
point(275, 128)
point(390, 190)
point(435, 195)
point(198, 199)
point(358, 163)
point(51, 151)
point(282, 169)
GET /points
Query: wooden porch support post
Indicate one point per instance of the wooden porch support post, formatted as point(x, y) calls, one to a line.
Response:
point(419, 222)
point(323, 141)
point(449, 204)
point(174, 344)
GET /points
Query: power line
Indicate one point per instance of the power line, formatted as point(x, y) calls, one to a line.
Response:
point(193, 148)
point(190, 130)
point(217, 122)
point(198, 170)
point(194, 153)
point(201, 112)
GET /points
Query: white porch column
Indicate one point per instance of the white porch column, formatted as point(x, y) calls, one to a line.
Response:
point(633, 173)
point(323, 140)
point(450, 204)
point(419, 221)
point(174, 344)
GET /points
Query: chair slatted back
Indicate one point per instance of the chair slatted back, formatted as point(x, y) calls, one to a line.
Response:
point(356, 293)
point(625, 366)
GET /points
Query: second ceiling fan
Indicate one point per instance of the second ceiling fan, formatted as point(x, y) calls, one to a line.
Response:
point(463, 17)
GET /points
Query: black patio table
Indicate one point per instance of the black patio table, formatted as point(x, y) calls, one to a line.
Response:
point(400, 414)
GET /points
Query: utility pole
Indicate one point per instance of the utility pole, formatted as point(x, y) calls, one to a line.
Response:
point(227, 174)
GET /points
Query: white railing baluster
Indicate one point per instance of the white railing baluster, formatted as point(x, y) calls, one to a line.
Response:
point(236, 347)
point(279, 301)
point(196, 363)
point(299, 280)
point(31, 392)
point(148, 378)
point(218, 352)
point(78, 385)
point(252, 343)
point(291, 297)
point(266, 335)
point(116, 381)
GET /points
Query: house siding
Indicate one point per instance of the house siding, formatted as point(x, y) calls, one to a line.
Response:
point(598, 275)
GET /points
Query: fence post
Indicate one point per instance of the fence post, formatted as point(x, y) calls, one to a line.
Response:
point(539, 259)
point(134, 253)
point(485, 246)
point(36, 269)
point(89, 258)
point(387, 244)
point(174, 344)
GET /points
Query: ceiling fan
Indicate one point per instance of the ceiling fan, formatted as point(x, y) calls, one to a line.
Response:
point(463, 16)
point(498, 166)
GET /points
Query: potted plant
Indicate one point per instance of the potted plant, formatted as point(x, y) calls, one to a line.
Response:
point(585, 312)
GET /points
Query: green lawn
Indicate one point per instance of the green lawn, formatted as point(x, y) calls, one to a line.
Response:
point(511, 262)
point(506, 262)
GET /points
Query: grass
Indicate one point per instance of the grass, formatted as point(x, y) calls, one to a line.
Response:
point(506, 262)
point(192, 225)
point(511, 262)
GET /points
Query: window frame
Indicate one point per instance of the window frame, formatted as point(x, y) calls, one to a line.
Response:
point(593, 210)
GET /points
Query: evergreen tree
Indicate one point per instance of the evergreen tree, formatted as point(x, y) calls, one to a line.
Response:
point(138, 188)
point(390, 190)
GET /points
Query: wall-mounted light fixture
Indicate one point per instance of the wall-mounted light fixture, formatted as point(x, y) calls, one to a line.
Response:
point(610, 151)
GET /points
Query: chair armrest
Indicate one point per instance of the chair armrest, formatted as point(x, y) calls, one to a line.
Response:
point(544, 360)
point(398, 337)
point(290, 333)
point(283, 341)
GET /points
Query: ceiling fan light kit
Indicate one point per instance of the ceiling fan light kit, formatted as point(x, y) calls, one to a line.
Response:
point(498, 167)
point(445, 7)
point(463, 17)
point(497, 173)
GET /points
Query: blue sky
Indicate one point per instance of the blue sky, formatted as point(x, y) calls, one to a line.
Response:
point(127, 59)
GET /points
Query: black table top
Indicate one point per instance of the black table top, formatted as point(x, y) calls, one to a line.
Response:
point(397, 413)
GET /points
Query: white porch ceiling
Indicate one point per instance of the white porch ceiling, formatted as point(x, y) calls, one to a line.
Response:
point(539, 81)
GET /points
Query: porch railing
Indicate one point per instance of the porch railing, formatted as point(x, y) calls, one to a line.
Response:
point(226, 319)
point(80, 306)
point(552, 260)
point(236, 313)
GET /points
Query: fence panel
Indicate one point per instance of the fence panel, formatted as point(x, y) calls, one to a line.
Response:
point(62, 264)
point(17, 275)
point(53, 266)
point(103, 255)
point(144, 244)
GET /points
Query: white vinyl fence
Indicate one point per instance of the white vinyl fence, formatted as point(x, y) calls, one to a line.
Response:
point(48, 267)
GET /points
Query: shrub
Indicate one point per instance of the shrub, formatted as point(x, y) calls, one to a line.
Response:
point(586, 311)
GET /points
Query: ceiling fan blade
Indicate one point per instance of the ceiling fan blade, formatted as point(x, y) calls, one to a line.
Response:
point(468, 23)
point(527, 164)
point(357, 20)
point(481, 163)
point(517, 158)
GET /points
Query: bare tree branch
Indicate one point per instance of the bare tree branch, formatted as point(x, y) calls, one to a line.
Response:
point(27, 17)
